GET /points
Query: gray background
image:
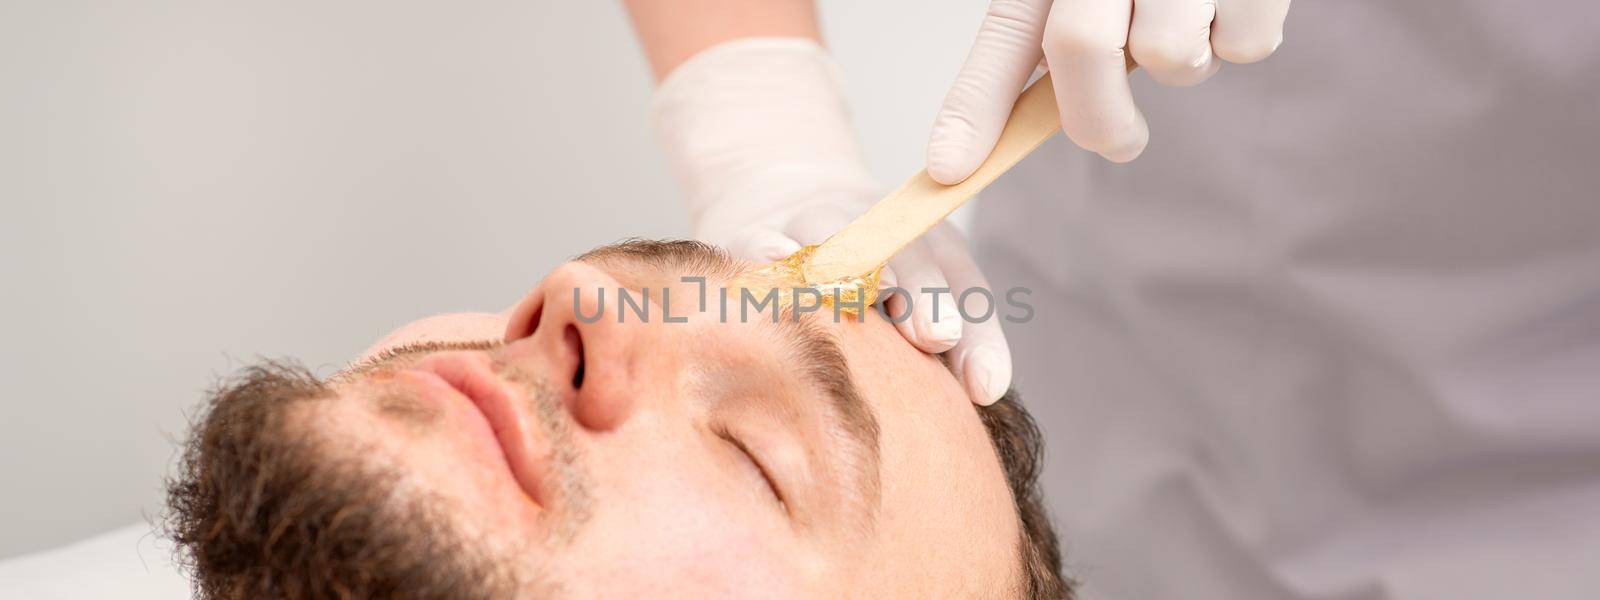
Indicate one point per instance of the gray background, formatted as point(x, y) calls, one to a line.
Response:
point(188, 185)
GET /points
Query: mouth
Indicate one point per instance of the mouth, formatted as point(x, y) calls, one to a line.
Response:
point(499, 402)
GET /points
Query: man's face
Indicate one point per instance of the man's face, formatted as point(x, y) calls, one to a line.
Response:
point(704, 458)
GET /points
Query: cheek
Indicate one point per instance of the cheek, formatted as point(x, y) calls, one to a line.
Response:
point(665, 523)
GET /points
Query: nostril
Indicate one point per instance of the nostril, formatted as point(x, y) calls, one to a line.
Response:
point(574, 343)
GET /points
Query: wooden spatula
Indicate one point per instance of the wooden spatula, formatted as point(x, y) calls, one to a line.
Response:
point(908, 212)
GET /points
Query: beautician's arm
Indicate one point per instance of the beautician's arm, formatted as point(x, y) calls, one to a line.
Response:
point(671, 31)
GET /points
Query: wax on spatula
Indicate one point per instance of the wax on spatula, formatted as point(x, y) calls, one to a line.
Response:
point(787, 274)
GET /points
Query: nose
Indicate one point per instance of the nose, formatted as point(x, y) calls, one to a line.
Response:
point(567, 324)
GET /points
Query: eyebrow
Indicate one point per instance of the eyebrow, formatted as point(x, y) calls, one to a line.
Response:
point(819, 361)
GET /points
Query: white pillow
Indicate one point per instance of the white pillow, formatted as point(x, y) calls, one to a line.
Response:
point(130, 562)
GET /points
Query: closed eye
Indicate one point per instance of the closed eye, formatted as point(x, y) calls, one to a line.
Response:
point(772, 486)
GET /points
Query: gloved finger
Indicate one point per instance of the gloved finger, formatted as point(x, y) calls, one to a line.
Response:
point(897, 304)
point(1246, 31)
point(976, 108)
point(1085, 43)
point(762, 245)
point(1171, 39)
point(816, 223)
point(887, 278)
point(982, 358)
point(933, 324)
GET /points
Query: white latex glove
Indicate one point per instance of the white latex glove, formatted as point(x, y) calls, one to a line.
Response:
point(1084, 45)
point(757, 132)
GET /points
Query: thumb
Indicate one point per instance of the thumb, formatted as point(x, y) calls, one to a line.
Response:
point(761, 244)
point(1002, 58)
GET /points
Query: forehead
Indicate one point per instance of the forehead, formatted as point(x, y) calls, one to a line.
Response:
point(938, 461)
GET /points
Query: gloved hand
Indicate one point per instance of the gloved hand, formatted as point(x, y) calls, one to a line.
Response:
point(757, 132)
point(1083, 43)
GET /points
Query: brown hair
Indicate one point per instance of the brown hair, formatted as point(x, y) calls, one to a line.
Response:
point(255, 515)
point(1020, 447)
